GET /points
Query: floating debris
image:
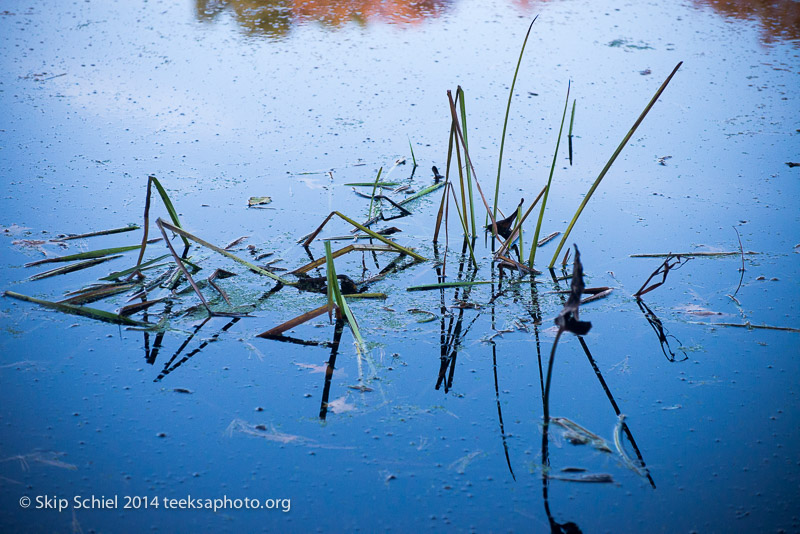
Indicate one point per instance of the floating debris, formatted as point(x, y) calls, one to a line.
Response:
point(253, 202)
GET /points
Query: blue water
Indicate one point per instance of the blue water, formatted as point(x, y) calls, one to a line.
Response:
point(227, 101)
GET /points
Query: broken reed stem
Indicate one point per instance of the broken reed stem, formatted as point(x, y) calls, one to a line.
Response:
point(611, 162)
point(182, 267)
point(549, 182)
point(152, 180)
point(505, 123)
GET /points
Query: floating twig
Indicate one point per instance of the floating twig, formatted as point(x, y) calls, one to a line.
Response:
point(750, 326)
point(691, 254)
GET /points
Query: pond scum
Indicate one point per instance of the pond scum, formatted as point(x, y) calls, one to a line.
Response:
point(163, 281)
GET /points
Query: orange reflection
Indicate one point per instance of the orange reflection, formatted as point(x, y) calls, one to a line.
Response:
point(780, 19)
point(276, 17)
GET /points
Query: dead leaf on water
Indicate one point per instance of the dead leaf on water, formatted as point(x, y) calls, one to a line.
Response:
point(696, 309)
point(314, 368)
point(460, 465)
point(258, 201)
point(341, 405)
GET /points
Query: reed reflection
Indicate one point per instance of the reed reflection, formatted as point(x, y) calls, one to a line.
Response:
point(276, 18)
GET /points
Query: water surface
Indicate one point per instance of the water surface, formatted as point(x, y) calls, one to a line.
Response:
point(227, 100)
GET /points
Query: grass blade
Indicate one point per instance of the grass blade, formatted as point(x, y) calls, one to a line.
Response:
point(92, 313)
point(460, 137)
point(520, 244)
point(334, 293)
point(412, 152)
point(431, 188)
point(97, 293)
point(549, 182)
point(102, 232)
point(86, 255)
point(467, 239)
point(505, 121)
point(445, 285)
point(168, 204)
point(569, 135)
point(460, 98)
point(119, 274)
point(255, 268)
point(146, 224)
point(372, 197)
point(611, 162)
point(72, 267)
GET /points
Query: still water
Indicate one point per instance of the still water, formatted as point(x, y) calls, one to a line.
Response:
point(437, 424)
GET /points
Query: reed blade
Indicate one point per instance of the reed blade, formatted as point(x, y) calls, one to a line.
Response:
point(255, 268)
point(505, 121)
point(85, 255)
point(84, 311)
point(549, 181)
point(101, 232)
point(335, 293)
point(462, 104)
point(72, 267)
point(611, 162)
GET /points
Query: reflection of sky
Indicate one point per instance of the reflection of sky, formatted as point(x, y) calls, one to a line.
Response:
point(779, 19)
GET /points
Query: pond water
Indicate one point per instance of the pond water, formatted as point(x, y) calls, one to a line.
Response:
point(438, 422)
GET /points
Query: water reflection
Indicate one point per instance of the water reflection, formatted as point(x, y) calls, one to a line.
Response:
point(779, 19)
point(275, 18)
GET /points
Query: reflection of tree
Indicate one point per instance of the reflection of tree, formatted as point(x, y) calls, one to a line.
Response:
point(275, 18)
point(269, 17)
point(780, 19)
